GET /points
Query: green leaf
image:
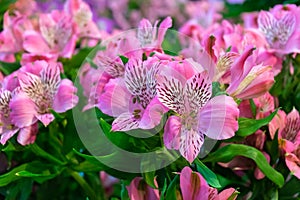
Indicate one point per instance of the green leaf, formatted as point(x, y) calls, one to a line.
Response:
point(208, 175)
point(8, 68)
point(228, 152)
point(124, 59)
point(163, 191)
point(172, 189)
point(149, 177)
point(216, 89)
point(249, 126)
point(91, 62)
point(124, 192)
point(92, 163)
point(35, 170)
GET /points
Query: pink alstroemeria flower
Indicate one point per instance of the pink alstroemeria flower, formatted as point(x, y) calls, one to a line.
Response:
point(248, 79)
point(288, 127)
point(151, 36)
point(188, 93)
point(292, 159)
point(193, 187)
point(83, 18)
point(8, 129)
point(132, 99)
point(41, 93)
point(55, 36)
point(139, 190)
point(281, 28)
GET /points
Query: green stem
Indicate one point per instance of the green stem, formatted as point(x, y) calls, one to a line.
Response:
point(42, 153)
point(84, 185)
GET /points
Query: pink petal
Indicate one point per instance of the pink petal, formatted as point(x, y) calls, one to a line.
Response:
point(7, 135)
point(69, 47)
point(163, 27)
point(170, 93)
point(125, 122)
point(152, 114)
point(198, 90)
point(228, 193)
point(115, 98)
point(277, 123)
point(259, 86)
point(218, 118)
point(34, 43)
point(46, 119)
point(191, 142)
point(193, 186)
point(239, 70)
point(23, 110)
point(292, 163)
point(138, 190)
point(172, 132)
point(65, 98)
point(27, 135)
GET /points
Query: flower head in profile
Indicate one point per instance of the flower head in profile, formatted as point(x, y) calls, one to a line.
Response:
point(188, 93)
point(193, 187)
point(40, 91)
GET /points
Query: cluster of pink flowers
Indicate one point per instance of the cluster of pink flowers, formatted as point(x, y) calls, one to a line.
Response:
point(138, 83)
point(31, 93)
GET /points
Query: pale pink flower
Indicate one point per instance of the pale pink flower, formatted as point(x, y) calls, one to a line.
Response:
point(40, 93)
point(281, 28)
point(139, 190)
point(188, 93)
point(55, 36)
point(193, 187)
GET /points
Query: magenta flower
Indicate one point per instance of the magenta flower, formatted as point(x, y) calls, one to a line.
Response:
point(292, 160)
point(41, 93)
point(193, 187)
point(189, 95)
point(281, 28)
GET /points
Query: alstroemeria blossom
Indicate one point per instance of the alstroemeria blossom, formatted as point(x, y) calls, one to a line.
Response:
point(151, 36)
point(132, 99)
point(281, 28)
point(248, 79)
point(55, 36)
point(139, 190)
point(189, 95)
point(193, 187)
point(8, 128)
point(40, 93)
